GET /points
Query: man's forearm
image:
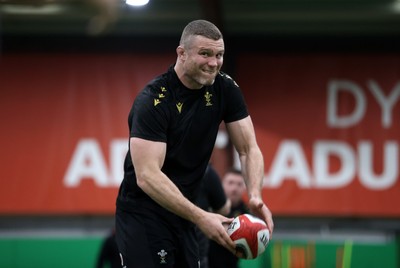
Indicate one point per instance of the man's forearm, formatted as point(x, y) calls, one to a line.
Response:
point(253, 171)
point(162, 190)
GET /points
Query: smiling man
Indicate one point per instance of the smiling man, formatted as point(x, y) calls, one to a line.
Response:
point(173, 126)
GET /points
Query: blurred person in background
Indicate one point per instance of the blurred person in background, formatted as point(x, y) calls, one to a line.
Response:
point(108, 256)
point(211, 198)
point(105, 15)
point(234, 187)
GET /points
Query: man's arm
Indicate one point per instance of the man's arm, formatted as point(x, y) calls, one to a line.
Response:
point(243, 137)
point(148, 158)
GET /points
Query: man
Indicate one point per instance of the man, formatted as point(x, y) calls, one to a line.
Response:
point(234, 187)
point(173, 125)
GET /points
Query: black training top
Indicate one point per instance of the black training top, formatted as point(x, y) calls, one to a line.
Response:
point(188, 122)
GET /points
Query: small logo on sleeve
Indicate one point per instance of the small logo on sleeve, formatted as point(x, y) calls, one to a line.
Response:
point(156, 102)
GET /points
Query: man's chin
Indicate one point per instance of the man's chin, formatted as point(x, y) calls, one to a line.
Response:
point(208, 82)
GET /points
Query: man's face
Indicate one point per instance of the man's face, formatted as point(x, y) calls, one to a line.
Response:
point(202, 61)
point(234, 187)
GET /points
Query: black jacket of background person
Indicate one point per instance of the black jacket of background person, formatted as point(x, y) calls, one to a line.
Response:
point(108, 254)
point(188, 122)
point(212, 195)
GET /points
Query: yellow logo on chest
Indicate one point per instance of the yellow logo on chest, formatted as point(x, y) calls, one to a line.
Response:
point(179, 106)
point(207, 97)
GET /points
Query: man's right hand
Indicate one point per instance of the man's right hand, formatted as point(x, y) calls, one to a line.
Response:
point(214, 226)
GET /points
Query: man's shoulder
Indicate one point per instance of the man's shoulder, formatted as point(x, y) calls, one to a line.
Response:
point(159, 81)
point(226, 79)
point(158, 88)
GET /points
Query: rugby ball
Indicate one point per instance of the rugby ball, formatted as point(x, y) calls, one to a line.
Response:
point(250, 235)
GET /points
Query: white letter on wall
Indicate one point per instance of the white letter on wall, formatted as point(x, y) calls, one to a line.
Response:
point(289, 162)
point(323, 179)
point(87, 163)
point(118, 150)
point(385, 103)
point(333, 119)
point(390, 166)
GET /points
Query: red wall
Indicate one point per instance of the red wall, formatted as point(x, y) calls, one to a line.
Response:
point(328, 125)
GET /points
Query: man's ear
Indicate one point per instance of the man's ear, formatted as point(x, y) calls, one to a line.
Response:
point(180, 51)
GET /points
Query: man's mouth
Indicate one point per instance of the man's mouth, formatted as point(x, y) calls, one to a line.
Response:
point(209, 71)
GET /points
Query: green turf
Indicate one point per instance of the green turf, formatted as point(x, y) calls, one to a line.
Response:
point(82, 253)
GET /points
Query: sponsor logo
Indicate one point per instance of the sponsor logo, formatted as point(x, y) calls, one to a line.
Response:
point(179, 106)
